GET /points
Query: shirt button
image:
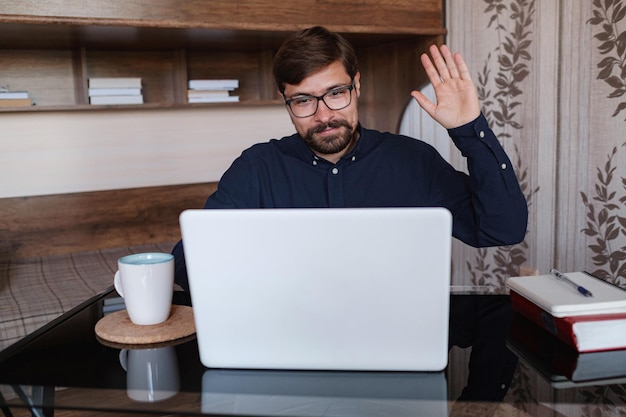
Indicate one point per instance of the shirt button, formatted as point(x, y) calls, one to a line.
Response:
point(481, 134)
point(335, 171)
point(353, 158)
point(314, 162)
point(503, 166)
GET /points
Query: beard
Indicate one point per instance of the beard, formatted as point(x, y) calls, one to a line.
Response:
point(328, 145)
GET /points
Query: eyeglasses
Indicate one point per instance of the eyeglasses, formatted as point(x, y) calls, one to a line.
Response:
point(335, 99)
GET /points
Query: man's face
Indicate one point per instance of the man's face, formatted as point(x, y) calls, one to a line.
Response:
point(329, 133)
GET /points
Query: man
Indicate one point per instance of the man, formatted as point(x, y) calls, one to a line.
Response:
point(333, 161)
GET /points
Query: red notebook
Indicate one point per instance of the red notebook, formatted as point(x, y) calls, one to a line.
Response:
point(589, 333)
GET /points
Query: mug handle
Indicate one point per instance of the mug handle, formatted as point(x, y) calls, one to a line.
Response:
point(118, 284)
point(124, 359)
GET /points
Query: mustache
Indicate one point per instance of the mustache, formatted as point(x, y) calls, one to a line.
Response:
point(333, 124)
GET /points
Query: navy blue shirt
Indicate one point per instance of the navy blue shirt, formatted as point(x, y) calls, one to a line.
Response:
point(383, 170)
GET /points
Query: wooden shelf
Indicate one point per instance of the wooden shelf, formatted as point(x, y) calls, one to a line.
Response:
point(51, 50)
point(417, 17)
point(145, 106)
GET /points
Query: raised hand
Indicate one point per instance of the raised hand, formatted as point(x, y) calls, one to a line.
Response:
point(457, 99)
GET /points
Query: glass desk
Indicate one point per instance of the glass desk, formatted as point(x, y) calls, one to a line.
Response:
point(498, 366)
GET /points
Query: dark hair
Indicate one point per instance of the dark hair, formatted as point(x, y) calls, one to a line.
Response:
point(309, 51)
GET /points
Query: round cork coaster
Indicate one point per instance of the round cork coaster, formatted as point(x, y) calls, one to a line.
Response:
point(117, 328)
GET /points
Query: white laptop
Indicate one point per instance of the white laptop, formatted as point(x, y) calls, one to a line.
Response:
point(320, 289)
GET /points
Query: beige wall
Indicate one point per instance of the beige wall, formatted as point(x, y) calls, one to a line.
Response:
point(73, 151)
point(560, 131)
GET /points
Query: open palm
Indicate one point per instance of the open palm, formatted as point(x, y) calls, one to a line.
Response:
point(456, 96)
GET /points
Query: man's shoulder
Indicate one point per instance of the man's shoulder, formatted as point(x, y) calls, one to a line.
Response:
point(274, 145)
point(287, 146)
point(375, 138)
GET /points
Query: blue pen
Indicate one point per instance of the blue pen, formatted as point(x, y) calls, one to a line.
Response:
point(564, 278)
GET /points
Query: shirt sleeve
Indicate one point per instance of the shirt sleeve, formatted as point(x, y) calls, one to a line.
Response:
point(497, 213)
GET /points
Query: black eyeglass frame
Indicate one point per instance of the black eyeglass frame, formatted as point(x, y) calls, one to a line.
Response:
point(350, 87)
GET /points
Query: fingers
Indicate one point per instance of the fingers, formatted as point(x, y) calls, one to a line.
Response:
point(424, 102)
point(444, 62)
point(431, 71)
point(464, 72)
point(444, 66)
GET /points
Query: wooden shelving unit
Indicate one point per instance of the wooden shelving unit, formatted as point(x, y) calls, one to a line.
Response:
point(51, 49)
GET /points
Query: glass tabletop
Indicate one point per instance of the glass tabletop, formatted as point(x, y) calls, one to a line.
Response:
point(498, 365)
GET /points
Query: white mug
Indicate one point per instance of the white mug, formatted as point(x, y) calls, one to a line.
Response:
point(146, 282)
point(151, 374)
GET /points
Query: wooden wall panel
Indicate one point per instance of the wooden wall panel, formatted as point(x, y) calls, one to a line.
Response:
point(78, 222)
point(388, 75)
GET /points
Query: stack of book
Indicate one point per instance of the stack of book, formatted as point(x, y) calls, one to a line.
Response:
point(15, 99)
point(212, 91)
point(557, 303)
point(115, 90)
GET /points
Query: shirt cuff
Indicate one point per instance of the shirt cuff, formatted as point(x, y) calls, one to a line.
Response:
point(478, 143)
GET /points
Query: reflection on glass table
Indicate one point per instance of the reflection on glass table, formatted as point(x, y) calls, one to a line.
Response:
point(315, 393)
point(64, 370)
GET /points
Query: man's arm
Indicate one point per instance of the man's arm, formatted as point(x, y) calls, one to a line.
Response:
point(494, 212)
point(499, 212)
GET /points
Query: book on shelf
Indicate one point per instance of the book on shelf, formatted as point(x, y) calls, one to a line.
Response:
point(116, 100)
point(16, 102)
point(95, 92)
point(558, 363)
point(13, 95)
point(587, 324)
point(224, 84)
point(217, 99)
point(114, 82)
point(208, 93)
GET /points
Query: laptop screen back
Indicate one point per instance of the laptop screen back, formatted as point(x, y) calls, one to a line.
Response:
point(320, 289)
